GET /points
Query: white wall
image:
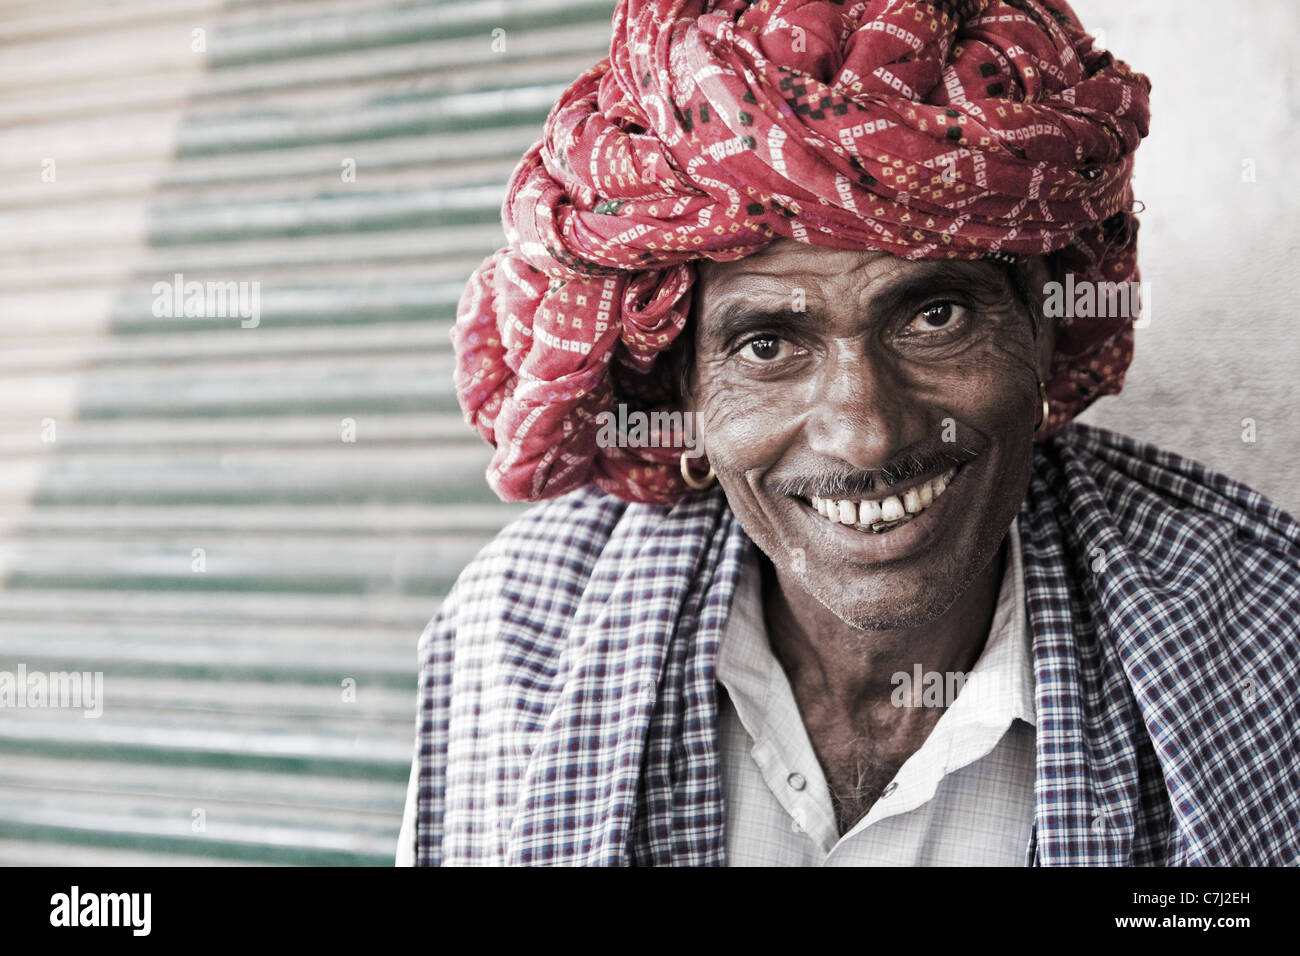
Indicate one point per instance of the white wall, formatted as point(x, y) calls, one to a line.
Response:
point(1220, 252)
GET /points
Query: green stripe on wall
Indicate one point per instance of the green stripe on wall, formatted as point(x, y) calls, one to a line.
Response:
point(199, 529)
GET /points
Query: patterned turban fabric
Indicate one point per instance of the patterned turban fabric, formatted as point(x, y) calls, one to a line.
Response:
point(984, 129)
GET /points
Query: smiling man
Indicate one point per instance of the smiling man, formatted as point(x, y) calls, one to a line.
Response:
point(893, 606)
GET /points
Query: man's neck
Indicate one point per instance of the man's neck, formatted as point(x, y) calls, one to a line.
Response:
point(843, 679)
point(854, 667)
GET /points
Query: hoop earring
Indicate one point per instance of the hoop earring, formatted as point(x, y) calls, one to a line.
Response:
point(699, 484)
point(1045, 409)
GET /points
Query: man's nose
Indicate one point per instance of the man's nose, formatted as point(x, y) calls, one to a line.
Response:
point(861, 415)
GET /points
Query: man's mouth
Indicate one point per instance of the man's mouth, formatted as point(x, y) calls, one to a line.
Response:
point(882, 515)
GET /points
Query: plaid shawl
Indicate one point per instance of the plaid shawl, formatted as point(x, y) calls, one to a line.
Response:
point(568, 706)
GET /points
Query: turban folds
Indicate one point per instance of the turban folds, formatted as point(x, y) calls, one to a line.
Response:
point(960, 129)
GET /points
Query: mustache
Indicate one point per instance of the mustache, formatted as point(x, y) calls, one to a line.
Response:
point(866, 484)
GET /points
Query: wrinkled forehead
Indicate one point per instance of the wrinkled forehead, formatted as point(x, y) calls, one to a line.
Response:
point(787, 268)
point(786, 258)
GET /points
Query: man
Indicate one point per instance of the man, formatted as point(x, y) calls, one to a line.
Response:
point(880, 602)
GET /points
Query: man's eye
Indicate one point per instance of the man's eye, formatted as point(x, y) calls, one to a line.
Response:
point(940, 317)
point(765, 348)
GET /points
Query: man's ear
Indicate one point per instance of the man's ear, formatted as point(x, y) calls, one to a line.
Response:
point(681, 361)
point(1040, 271)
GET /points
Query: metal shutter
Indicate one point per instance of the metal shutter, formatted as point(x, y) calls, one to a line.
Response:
point(130, 441)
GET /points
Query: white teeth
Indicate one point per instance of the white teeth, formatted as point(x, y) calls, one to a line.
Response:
point(892, 509)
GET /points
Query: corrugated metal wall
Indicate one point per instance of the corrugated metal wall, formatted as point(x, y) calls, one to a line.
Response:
point(231, 522)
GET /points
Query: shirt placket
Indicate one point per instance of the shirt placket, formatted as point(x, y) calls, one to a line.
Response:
point(789, 765)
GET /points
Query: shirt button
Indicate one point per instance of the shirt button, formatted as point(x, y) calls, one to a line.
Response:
point(796, 826)
point(796, 781)
point(889, 789)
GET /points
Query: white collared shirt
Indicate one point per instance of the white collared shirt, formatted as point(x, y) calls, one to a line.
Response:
point(964, 798)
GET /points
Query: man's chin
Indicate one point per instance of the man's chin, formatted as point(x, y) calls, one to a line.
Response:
point(892, 608)
point(908, 595)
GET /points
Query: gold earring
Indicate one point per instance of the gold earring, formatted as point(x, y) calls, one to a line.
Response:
point(699, 484)
point(1045, 409)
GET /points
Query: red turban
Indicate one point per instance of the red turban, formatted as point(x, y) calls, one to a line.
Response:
point(961, 129)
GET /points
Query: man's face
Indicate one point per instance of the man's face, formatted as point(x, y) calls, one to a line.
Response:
point(855, 376)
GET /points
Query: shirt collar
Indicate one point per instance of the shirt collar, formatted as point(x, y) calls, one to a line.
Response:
point(1007, 657)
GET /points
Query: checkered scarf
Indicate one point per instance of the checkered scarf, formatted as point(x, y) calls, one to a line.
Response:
point(568, 693)
point(930, 130)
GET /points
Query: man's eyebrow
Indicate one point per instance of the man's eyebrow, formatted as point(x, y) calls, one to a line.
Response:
point(980, 280)
point(741, 316)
